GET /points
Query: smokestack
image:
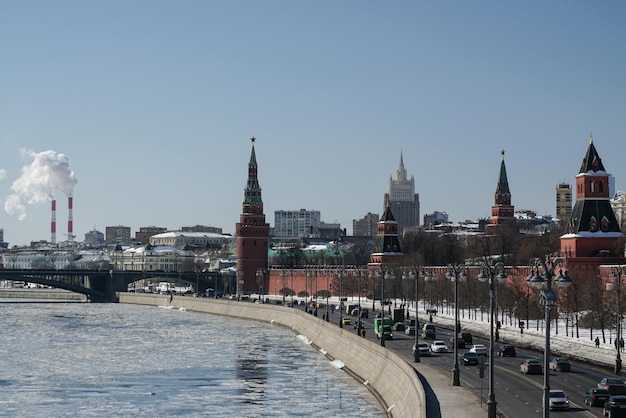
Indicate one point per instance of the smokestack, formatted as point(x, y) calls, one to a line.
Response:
point(53, 223)
point(70, 220)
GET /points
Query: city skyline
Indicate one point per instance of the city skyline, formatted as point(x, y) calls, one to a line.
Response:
point(153, 105)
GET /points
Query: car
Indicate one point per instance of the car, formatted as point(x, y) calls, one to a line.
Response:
point(531, 366)
point(429, 331)
point(558, 400)
point(614, 385)
point(506, 350)
point(615, 406)
point(596, 397)
point(424, 349)
point(479, 349)
point(358, 324)
point(467, 337)
point(560, 364)
point(460, 341)
point(410, 330)
point(346, 321)
point(470, 359)
point(399, 327)
point(439, 346)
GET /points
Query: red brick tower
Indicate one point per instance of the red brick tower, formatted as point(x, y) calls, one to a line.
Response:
point(252, 236)
point(592, 229)
point(502, 212)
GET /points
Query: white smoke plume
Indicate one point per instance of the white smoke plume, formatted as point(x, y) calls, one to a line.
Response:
point(48, 172)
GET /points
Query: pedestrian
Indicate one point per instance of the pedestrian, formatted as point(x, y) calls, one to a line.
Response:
point(171, 297)
point(621, 344)
point(363, 332)
point(597, 340)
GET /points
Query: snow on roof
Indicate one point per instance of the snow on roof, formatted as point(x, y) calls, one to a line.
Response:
point(173, 234)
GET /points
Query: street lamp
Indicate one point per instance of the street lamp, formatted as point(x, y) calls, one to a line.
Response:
point(239, 283)
point(429, 277)
point(455, 273)
point(359, 274)
point(340, 278)
point(492, 268)
point(548, 299)
point(410, 274)
point(260, 279)
point(327, 295)
point(617, 273)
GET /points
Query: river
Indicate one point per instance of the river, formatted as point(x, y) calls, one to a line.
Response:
point(113, 360)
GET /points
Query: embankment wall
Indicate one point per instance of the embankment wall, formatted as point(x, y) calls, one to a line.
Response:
point(393, 381)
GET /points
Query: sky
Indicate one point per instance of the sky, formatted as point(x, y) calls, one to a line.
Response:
point(143, 110)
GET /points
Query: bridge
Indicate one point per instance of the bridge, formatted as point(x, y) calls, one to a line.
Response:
point(102, 285)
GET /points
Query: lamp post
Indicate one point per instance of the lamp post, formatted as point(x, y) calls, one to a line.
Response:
point(617, 273)
point(548, 299)
point(260, 279)
point(456, 272)
point(492, 269)
point(292, 288)
point(283, 279)
point(359, 274)
point(410, 274)
point(239, 283)
point(340, 278)
point(327, 295)
point(430, 278)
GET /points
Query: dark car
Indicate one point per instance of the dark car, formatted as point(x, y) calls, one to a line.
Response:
point(596, 397)
point(399, 327)
point(358, 324)
point(460, 341)
point(470, 359)
point(614, 385)
point(467, 337)
point(531, 366)
point(615, 406)
point(560, 364)
point(506, 350)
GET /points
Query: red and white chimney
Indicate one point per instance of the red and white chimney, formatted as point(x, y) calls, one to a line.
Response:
point(70, 220)
point(53, 223)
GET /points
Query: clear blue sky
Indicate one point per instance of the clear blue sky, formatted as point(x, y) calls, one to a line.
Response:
point(152, 103)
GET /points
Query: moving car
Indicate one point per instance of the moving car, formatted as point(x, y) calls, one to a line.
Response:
point(614, 385)
point(467, 337)
point(410, 330)
point(470, 359)
point(506, 350)
point(558, 400)
point(615, 406)
point(560, 364)
point(438, 346)
point(424, 349)
point(596, 397)
point(346, 321)
point(358, 324)
point(479, 349)
point(531, 366)
point(459, 341)
point(399, 327)
point(429, 331)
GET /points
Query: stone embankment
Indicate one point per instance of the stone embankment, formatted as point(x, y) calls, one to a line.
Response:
point(41, 294)
point(393, 382)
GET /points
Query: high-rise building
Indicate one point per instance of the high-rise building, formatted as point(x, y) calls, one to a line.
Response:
point(252, 236)
point(402, 199)
point(366, 226)
point(117, 234)
point(296, 223)
point(94, 238)
point(502, 212)
point(563, 201)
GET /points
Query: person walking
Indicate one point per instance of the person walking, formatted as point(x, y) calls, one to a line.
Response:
point(597, 340)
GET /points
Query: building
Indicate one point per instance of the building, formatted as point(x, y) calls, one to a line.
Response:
point(252, 236)
point(402, 199)
point(435, 218)
point(618, 203)
point(502, 212)
point(563, 201)
point(145, 232)
point(201, 228)
point(297, 223)
point(592, 230)
point(94, 238)
point(366, 226)
point(190, 240)
point(117, 235)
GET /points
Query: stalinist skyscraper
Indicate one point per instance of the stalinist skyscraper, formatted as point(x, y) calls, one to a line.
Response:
point(402, 199)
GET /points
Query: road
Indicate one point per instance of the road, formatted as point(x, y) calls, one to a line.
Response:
point(517, 395)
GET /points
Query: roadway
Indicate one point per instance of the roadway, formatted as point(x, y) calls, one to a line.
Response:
point(517, 395)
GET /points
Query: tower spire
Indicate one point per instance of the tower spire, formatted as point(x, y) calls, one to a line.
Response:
point(401, 172)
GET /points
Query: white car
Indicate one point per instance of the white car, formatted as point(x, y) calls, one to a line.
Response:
point(479, 349)
point(439, 346)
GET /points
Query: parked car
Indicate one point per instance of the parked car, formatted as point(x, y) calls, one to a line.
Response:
point(479, 349)
point(399, 327)
point(470, 359)
point(531, 366)
point(467, 337)
point(596, 397)
point(615, 406)
point(558, 400)
point(560, 364)
point(410, 330)
point(506, 350)
point(424, 349)
point(460, 341)
point(439, 346)
point(614, 385)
